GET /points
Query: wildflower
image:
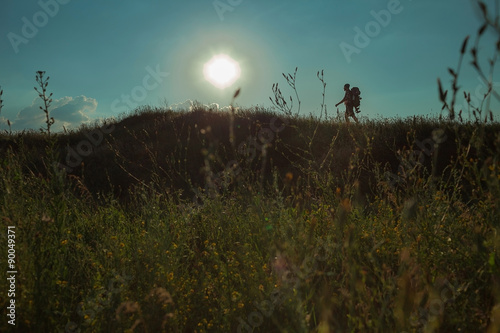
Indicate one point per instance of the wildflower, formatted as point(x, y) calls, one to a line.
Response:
point(122, 244)
point(79, 236)
point(346, 204)
point(64, 242)
point(241, 305)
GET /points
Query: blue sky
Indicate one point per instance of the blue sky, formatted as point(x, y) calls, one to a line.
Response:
point(106, 57)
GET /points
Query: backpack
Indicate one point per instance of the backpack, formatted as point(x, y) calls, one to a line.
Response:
point(355, 96)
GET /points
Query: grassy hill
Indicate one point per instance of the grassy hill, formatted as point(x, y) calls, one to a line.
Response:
point(208, 221)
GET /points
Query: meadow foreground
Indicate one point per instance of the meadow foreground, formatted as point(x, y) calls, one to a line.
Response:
point(206, 221)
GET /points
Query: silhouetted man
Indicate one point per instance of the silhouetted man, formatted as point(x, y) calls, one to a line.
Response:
point(347, 100)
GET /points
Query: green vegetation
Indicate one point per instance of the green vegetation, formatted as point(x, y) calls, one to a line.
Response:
point(315, 225)
point(252, 221)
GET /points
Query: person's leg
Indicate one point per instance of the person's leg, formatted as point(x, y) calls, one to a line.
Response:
point(355, 119)
point(349, 112)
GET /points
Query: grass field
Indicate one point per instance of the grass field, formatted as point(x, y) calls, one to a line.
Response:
point(209, 221)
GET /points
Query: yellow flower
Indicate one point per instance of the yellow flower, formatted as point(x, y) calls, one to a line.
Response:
point(261, 287)
point(122, 245)
point(241, 305)
point(79, 236)
point(64, 242)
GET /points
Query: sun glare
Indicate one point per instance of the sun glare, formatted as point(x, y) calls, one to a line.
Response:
point(221, 71)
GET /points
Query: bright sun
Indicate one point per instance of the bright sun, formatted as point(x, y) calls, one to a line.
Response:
point(221, 71)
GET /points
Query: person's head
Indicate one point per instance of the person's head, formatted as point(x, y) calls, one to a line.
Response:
point(346, 86)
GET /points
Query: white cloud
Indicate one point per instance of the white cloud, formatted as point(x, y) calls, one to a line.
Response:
point(68, 111)
point(189, 105)
point(184, 106)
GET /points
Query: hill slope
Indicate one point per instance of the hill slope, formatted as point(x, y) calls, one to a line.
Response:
point(160, 222)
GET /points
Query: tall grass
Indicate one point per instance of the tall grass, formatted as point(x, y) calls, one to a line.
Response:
point(317, 240)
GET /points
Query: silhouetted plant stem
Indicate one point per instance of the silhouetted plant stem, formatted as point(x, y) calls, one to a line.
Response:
point(43, 83)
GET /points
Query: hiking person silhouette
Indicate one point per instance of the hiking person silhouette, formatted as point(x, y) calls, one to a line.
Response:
point(347, 100)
